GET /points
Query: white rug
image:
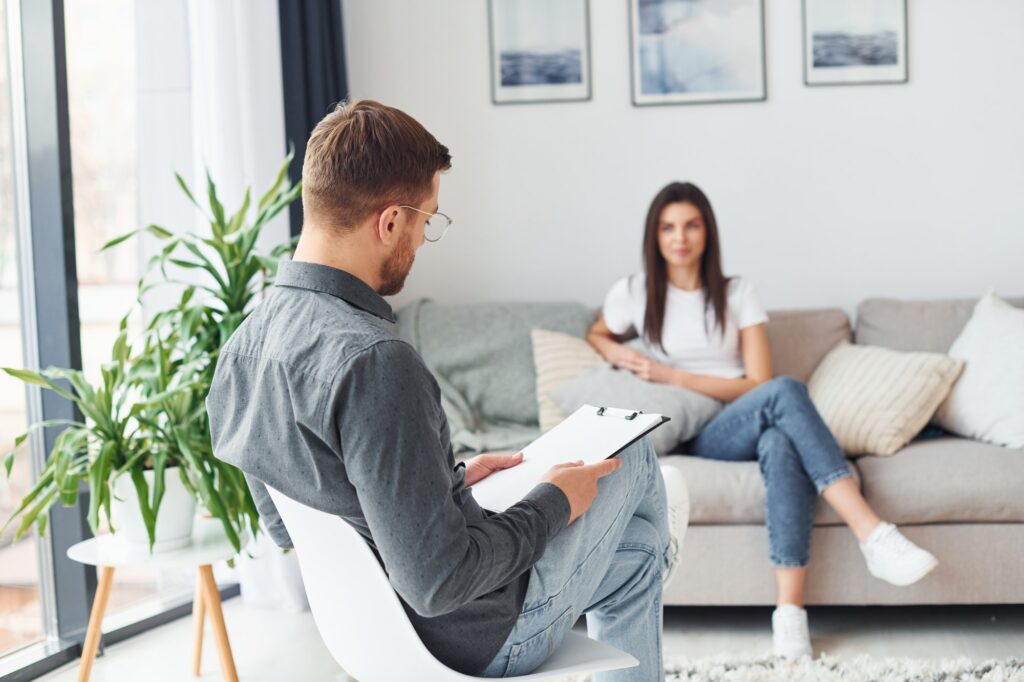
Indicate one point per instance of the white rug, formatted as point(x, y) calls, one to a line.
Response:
point(829, 669)
point(727, 668)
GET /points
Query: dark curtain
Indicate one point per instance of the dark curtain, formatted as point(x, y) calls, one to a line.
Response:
point(313, 69)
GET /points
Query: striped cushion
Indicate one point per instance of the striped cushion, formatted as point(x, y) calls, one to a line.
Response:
point(558, 359)
point(875, 400)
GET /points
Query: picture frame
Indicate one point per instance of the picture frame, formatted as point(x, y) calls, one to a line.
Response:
point(539, 51)
point(697, 51)
point(855, 42)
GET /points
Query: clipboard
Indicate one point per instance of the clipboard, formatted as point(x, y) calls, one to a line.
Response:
point(590, 434)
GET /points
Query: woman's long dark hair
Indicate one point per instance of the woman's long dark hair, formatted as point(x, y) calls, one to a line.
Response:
point(712, 281)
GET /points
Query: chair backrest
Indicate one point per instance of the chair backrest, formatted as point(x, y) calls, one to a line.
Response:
point(356, 610)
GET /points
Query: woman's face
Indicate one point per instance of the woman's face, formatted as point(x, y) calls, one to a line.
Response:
point(681, 234)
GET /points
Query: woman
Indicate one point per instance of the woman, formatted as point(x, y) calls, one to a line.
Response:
point(703, 331)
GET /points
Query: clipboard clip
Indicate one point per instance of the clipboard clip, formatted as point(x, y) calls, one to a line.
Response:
point(629, 417)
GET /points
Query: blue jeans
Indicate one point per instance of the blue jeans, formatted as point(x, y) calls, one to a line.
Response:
point(608, 565)
point(778, 425)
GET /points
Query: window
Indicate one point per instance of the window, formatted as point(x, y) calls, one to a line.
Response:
point(20, 610)
point(103, 96)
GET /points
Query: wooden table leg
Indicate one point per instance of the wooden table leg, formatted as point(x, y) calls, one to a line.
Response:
point(211, 602)
point(198, 617)
point(92, 634)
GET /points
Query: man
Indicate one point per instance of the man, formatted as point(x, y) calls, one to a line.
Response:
point(316, 396)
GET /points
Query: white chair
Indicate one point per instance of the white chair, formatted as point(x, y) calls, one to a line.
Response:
point(364, 625)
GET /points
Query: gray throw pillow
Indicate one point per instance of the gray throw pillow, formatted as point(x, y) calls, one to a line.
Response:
point(607, 387)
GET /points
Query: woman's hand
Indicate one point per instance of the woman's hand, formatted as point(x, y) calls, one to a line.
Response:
point(482, 466)
point(655, 372)
point(624, 357)
point(643, 366)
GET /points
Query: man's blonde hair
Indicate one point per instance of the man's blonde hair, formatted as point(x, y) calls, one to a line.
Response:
point(364, 156)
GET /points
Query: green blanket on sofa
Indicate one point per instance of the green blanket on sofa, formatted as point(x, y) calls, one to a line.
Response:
point(482, 357)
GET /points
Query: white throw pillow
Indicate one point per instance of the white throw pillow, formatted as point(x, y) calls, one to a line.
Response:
point(558, 359)
point(874, 400)
point(987, 402)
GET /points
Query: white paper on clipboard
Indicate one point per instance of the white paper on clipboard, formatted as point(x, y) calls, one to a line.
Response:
point(590, 434)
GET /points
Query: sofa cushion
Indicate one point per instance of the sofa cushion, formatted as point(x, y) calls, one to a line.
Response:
point(874, 399)
point(557, 360)
point(987, 402)
point(799, 339)
point(688, 411)
point(945, 480)
point(482, 356)
point(725, 493)
point(930, 326)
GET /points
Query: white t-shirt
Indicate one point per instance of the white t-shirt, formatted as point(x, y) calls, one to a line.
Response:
point(690, 345)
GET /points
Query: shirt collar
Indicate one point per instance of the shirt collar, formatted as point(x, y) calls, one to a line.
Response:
point(338, 283)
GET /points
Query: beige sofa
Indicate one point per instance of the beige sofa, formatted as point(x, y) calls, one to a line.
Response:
point(961, 499)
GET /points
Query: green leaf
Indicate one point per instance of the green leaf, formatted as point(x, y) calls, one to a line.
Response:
point(159, 469)
point(35, 379)
point(185, 263)
point(282, 173)
point(41, 507)
point(46, 481)
point(117, 240)
point(239, 217)
point(217, 223)
point(99, 473)
point(208, 492)
point(86, 400)
point(142, 492)
point(188, 192)
point(160, 232)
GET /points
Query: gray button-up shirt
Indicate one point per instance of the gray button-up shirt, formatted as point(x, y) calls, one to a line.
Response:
point(316, 396)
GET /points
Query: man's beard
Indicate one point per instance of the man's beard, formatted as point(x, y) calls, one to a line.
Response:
point(396, 268)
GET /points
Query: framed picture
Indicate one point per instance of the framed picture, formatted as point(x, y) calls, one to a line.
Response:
point(855, 42)
point(540, 50)
point(695, 51)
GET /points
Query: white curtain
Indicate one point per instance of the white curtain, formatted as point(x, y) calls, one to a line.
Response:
point(237, 100)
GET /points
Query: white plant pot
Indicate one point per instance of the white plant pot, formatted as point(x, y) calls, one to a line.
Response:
point(269, 578)
point(173, 520)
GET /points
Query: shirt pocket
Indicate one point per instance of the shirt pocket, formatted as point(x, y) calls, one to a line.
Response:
point(525, 657)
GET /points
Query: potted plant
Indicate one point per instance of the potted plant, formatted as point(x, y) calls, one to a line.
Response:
point(148, 416)
point(110, 443)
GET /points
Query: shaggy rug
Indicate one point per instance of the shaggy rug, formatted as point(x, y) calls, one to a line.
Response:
point(829, 669)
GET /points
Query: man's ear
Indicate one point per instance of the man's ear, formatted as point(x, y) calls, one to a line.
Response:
point(387, 224)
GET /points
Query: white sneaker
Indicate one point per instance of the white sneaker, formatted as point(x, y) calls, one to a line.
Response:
point(891, 557)
point(677, 495)
point(790, 636)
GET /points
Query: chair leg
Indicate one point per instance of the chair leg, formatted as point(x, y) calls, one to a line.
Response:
point(92, 634)
point(211, 602)
point(198, 618)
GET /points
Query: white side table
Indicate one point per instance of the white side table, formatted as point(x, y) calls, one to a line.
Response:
point(209, 544)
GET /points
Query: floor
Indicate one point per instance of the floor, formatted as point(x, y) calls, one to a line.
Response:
point(272, 646)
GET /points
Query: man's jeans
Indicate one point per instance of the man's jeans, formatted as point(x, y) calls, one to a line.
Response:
point(608, 564)
point(778, 425)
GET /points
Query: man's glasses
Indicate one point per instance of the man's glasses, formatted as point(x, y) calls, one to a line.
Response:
point(436, 226)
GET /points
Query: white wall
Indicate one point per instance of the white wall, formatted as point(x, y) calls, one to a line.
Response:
point(824, 195)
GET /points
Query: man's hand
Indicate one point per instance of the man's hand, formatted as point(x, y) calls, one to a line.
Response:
point(482, 466)
point(579, 482)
